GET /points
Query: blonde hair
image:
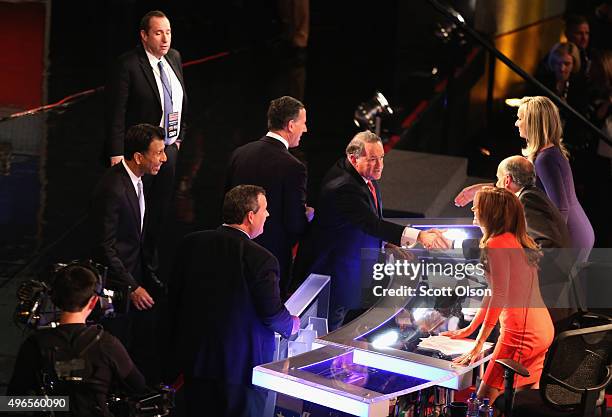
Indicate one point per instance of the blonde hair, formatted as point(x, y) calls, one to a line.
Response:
point(543, 126)
point(561, 49)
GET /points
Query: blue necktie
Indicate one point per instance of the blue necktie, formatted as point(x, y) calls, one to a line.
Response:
point(167, 89)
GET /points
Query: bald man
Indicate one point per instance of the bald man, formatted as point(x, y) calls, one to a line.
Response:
point(545, 224)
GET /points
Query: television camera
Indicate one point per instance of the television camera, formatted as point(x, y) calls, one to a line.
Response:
point(35, 308)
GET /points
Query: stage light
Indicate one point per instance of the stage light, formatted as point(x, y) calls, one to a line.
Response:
point(513, 102)
point(456, 235)
point(419, 313)
point(385, 340)
point(484, 151)
point(368, 115)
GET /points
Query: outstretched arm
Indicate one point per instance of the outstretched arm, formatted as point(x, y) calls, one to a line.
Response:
point(466, 195)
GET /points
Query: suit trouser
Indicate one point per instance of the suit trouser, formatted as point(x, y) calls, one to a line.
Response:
point(159, 190)
point(138, 331)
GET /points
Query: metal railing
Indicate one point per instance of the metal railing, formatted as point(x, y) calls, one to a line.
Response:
point(458, 20)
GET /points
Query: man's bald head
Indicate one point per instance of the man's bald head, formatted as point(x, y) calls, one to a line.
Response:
point(515, 172)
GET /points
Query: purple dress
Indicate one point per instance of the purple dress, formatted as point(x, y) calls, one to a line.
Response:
point(554, 176)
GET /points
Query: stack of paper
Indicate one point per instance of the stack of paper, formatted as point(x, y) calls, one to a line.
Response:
point(450, 347)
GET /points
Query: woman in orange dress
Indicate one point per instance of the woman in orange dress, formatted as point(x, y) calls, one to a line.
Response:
point(510, 258)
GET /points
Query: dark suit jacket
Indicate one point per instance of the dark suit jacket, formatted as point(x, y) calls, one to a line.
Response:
point(133, 96)
point(267, 163)
point(115, 221)
point(345, 222)
point(225, 306)
point(545, 224)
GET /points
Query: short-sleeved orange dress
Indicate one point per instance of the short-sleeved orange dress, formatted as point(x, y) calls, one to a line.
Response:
point(526, 329)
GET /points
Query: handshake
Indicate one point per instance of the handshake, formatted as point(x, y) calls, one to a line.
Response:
point(434, 239)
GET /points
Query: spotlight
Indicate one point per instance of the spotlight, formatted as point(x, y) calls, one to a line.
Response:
point(513, 102)
point(385, 340)
point(455, 234)
point(450, 34)
point(368, 115)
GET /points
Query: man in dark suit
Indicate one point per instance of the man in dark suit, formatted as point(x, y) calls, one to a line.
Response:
point(118, 227)
point(268, 163)
point(545, 224)
point(349, 219)
point(547, 227)
point(147, 86)
point(225, 307)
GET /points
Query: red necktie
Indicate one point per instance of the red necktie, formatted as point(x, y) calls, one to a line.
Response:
point(373, 191)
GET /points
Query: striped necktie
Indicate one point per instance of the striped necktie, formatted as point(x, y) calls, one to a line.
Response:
point(167, 90)
point(373, 191)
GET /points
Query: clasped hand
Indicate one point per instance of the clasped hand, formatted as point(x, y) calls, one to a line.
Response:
point(434, 239)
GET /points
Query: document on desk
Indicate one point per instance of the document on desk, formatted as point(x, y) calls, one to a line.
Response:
point(450, 347)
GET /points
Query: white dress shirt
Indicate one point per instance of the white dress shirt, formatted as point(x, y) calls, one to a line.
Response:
point(133, 176)
point(278, 138)
point(175, 85)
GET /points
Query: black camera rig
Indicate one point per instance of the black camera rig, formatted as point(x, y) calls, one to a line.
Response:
point(36, 310)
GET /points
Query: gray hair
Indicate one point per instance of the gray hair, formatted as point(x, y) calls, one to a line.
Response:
point(520, 169)
point(357, 145)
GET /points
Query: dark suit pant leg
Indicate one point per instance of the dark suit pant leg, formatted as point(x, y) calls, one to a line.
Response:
point(204, 397)
point(137, 332)
point(159, 191)
point(144, 343)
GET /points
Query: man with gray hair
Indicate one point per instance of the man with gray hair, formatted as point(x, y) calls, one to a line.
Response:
point(545, 224)
point(349, 219)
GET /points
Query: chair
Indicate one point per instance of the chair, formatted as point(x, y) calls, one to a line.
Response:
point(576, 372)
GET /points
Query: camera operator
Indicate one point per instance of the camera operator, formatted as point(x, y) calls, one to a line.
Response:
point(80, 361)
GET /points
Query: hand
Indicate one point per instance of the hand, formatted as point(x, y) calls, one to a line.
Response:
point(403, 319)
point(178, 144)
point(296, 325)
point(470, 357)
point(467, 194)
point(399, 253)
point(114, 160)
point(141, 299)
point(434, 239)
point(457, 334)
point(309, 213)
